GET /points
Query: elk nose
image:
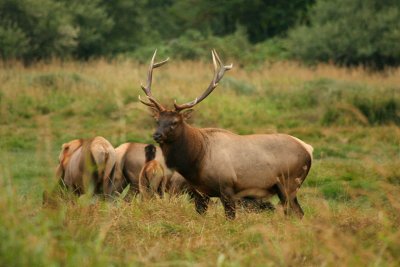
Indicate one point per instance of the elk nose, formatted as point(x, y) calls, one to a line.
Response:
point(157, 137)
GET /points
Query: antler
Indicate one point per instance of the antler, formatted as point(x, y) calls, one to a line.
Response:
point(218, 74)
point(147, 90)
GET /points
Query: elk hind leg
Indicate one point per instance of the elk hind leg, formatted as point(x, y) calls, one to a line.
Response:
point(283, 198)
point(294, 204)
point(289, 201)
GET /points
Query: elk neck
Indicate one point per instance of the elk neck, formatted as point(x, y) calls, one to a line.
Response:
point(186, 153)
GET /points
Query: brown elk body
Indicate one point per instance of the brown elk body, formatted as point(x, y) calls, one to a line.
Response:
point(130, 159)
point(219, 163)
point(87, 162)
point(152, 179)
point(177, 185)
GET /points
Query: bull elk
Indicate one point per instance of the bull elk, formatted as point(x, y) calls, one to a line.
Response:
point(219, 163)
point(86, 164)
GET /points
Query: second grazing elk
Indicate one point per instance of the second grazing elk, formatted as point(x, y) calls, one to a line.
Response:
point(219, 163)
point(152, 179)
point(130, 159)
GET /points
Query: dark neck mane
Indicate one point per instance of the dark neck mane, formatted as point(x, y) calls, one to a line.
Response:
point(186, 153)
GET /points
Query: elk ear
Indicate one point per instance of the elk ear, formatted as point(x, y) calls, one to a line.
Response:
point(187, 114)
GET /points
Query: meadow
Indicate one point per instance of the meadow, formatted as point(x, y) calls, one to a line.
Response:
point(350, 198)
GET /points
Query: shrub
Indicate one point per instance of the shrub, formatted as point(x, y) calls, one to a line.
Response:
point(39, 29)
point(13, 41)
point(379, 111)
point(193, 45)
point(355, 32)
point(43, 27)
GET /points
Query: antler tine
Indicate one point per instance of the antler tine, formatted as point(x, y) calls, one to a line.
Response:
point(218, 74)
point(147, 89)
point(152, 66)
point(153, 103)
point(223, 67)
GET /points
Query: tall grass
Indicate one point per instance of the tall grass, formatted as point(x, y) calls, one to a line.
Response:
point(350, 197)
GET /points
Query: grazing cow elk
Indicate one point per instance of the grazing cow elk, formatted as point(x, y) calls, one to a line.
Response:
point(129, 163)
point(151, 178)
point(86, 163)
point(219, 163)
point(130, 159)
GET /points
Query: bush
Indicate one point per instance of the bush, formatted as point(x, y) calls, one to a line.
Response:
point(342, 102)
point(272, 50)
point(13, 41)
point(43, 28)
point(193, 45)
point(39, 29)
point(93, 23)
point(356, 32)
point(379, 110)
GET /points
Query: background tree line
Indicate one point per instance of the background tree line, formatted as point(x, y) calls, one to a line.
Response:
point(345, 32)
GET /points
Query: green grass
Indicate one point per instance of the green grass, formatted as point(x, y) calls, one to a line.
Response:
point(350, 197)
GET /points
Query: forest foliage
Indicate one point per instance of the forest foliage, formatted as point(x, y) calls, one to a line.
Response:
point(346, 32)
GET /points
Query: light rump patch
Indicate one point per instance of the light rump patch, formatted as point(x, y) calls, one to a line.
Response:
point(306, 146)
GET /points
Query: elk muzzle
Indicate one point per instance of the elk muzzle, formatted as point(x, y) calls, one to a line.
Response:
point(158, 137)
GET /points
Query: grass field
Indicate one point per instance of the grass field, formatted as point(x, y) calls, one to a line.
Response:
point(350, 198)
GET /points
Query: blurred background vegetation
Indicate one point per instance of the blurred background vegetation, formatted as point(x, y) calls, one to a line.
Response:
point(345, 32)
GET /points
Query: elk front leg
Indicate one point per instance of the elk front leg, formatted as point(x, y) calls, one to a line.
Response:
point(230, 208)
point(201, 202)
point(229, 204)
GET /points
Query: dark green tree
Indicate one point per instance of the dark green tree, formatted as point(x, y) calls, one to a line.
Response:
point(13, 41)
point(350, 32)
point(131, 29)
point(94, 24)
point(262, 19)
point(43, 28)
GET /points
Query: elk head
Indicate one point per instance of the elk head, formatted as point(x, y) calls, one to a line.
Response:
point(150, 152)
point(170, 123)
